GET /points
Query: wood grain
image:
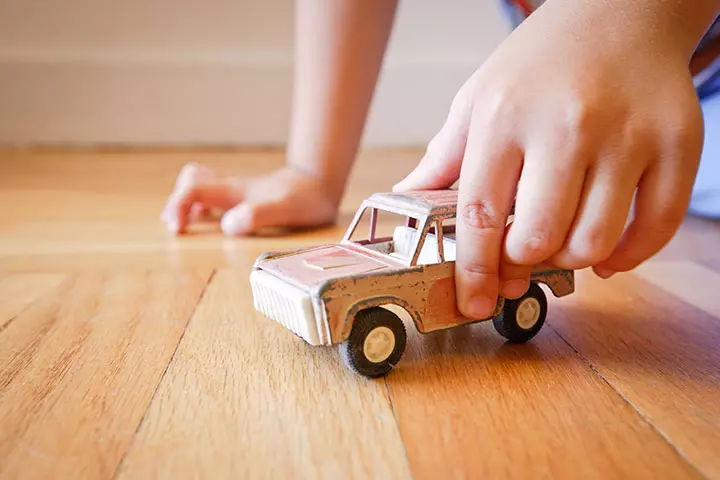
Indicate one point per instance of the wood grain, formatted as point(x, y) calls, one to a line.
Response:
point(696, 240)
point(621, 383)
point(87, 210)
point(246, 399)
point(471, 406)
point(659, 353)
point(79, 368)
point(693, 283)
point(19, 290)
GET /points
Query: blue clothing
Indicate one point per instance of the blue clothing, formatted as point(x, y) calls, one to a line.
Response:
point(705, 199)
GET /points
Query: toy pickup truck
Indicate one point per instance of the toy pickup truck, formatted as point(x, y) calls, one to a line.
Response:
point(339, 294)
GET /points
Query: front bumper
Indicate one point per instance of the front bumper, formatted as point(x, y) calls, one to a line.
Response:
point(286, 304)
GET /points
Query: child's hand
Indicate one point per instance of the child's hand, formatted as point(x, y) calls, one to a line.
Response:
point(581, 105)
point(284, 199)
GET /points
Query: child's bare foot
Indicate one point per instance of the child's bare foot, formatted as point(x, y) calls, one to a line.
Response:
point(286, 198)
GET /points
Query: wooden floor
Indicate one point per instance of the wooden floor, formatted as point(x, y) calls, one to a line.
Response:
point(127, 353)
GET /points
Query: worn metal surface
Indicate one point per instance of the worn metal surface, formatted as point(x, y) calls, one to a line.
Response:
point(561, 282)
point(345, 278)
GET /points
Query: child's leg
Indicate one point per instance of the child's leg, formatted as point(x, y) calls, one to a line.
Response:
point(706, 193)
point(340, 45)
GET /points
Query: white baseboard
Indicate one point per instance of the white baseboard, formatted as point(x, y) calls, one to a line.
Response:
point(237, 103)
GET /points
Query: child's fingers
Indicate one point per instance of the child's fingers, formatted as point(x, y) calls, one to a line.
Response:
point(194, 173)
point(252, 216)
point(198, 211)
point(514, 279)
point(664, 190)
point(222, 195)
point(242, 219)
point(490, 171)
point(190, 174)
point(548, 194)
point(440, 166)
point(601, 216)
point(660, 205)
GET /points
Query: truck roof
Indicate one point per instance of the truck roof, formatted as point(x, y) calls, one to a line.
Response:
point(425, 202)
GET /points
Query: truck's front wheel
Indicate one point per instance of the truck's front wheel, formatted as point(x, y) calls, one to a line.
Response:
point(523, 318)
point(376, 342)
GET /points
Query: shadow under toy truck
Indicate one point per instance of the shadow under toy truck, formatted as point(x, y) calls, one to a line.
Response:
point(335, 294)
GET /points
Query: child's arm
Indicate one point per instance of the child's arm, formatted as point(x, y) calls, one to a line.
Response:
point(583, 104)
point(339, 50)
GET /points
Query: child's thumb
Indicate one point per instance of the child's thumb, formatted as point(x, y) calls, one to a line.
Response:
point(440, 167)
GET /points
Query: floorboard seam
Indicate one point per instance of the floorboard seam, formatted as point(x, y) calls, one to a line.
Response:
point(644, 417)
point(162, 377)
point(397, 424)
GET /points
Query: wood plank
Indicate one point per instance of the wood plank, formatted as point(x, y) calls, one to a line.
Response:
point(19, 290)
point(108, 244)
point(693, 283)
point(244, 398)
point(659, 352)
point(697, 239)
point(471, 406)
point(94, 209)
point(79, 368)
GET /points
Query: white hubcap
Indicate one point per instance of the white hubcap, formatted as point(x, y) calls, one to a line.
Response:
point(528, 313)
point(379, 344)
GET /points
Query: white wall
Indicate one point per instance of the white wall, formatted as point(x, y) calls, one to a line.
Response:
point(211, 71)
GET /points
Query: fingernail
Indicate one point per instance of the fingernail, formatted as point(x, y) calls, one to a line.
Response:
point(604, 272)
point(481, 307)
point(173, 227)
point(514, 288)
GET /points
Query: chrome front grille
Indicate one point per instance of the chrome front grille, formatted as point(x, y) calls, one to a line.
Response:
point(286, 304)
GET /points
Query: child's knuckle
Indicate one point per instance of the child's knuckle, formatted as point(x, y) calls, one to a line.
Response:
point(482, 215)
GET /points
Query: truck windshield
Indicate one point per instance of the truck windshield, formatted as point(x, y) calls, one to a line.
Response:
point(386, 232)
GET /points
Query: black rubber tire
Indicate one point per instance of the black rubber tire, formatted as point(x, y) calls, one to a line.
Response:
point(506, 323)
point(352, 351)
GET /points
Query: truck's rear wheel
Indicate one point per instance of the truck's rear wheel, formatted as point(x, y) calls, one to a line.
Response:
point(376, 343)
point(523, 318)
